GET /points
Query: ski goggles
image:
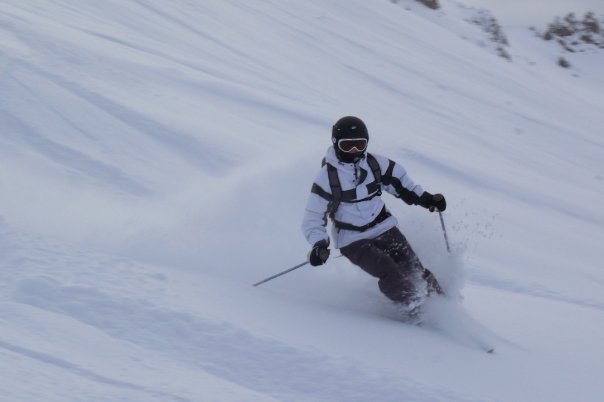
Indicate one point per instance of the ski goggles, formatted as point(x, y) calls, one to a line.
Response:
point(352, 144)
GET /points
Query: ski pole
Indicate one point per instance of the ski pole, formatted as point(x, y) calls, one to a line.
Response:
point(281, 273)
point(286, 271)
point(442, 223)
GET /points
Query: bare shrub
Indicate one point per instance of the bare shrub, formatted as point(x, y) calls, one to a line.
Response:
point(433, 4)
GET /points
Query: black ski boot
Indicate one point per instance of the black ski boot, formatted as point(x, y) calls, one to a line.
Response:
point(433, 285)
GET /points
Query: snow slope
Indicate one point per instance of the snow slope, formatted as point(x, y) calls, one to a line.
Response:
point(155, 159)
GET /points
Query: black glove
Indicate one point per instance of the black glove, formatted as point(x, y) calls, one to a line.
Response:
point(319, 253)
point(433, 202)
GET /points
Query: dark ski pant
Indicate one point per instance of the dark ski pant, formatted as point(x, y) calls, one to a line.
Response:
point(390, 258)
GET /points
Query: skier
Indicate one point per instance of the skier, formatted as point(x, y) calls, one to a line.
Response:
point(348, 189)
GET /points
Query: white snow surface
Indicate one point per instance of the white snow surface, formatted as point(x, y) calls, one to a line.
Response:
point(155, 160)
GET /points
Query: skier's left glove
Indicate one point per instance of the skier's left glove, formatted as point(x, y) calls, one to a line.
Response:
point(433, 202)
point(319, 253)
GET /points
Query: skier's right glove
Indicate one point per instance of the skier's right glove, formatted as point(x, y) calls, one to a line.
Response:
point(319, 253)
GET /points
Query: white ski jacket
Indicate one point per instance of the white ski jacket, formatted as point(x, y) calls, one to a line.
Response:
point(364, 208)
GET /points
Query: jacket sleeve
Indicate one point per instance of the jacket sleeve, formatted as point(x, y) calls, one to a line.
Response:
point(397, 182)
point(314, 223)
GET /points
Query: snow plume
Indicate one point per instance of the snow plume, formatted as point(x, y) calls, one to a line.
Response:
point(448, 317)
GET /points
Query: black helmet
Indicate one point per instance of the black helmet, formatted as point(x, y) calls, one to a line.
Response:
point(349, 137)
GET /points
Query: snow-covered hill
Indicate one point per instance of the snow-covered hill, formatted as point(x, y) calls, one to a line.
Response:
point(155, 159)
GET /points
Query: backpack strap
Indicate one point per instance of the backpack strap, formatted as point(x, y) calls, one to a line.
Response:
point(375, 168)
point(382, 216)
point(336, 190)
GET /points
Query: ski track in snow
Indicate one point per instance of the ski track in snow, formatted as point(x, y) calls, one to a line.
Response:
point(87, 374)
point(219, 349)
